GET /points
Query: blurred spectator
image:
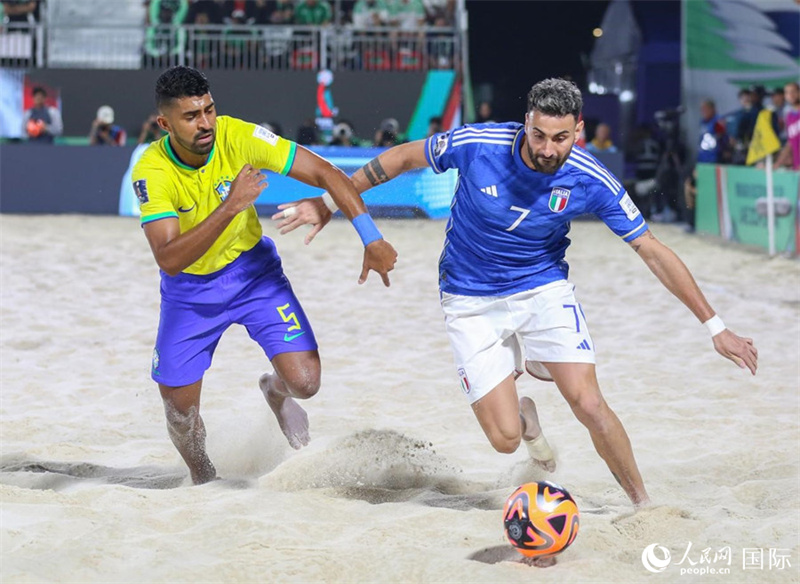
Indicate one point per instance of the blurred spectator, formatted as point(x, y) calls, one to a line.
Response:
point(386, 134)
point(165, 38)
point(369, 13)
point(239, 42)
point(440, 12)
point(239, 12)
point(313, 12)
point(711, 149)
point(781, 108)
point(741, 124)
point(759, 96)
point(104, 132)
point(276, 12)
point(385, 139)
point(408, 40)
point(21, 11)
point(200, 50)
point(406, 15)
point(602, 140)
point(484, 113)
point(41, 123)
point(307, 133)
point(343, 135)
point(712, 137)
point(790, 155)
point(151, 131)
point(435, 126)
point(212, 10)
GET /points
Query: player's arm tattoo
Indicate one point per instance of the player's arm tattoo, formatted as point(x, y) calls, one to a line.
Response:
point(374, 172)
point(636, 246)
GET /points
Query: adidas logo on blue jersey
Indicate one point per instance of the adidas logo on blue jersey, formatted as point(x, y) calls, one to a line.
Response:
point(491, 191)
point(584, 345)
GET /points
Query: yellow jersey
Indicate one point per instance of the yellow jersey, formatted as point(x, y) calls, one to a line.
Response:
point(166, 187)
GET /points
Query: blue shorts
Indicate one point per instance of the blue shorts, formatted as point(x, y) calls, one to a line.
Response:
point(195, 311)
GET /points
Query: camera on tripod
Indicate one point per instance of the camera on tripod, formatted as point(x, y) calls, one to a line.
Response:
point(668, 120)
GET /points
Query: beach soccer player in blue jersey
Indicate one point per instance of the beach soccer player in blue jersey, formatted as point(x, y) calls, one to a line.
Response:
point(507, 302)
point(197, 187)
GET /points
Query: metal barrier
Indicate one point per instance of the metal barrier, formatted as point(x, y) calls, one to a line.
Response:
point(241, 47)
point(21, 45)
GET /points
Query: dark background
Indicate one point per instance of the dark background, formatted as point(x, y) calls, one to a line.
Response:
point(515, 43)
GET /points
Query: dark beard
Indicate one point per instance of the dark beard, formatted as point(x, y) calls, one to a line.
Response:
point(196, 148)
point(554, 163)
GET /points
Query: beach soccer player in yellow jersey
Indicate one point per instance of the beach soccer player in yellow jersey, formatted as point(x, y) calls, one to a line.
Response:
point(196, 188)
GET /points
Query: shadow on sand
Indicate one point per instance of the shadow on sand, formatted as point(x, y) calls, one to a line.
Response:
point(44, 475)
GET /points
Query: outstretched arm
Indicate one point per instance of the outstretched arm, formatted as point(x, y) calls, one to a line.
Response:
point(314, 170)
point(377, 171)
point(675, 276)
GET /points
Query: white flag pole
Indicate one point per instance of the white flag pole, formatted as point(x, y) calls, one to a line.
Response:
point(770, 208)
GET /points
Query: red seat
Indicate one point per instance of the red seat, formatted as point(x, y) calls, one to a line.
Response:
point(377, 60)
point(305, 58)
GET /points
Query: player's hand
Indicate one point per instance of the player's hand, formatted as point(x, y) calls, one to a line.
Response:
point(303, 212)
point(381, 257)
point(245, 188)
point(738, 349)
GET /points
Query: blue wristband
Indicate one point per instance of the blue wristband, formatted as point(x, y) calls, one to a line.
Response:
point(366, 228)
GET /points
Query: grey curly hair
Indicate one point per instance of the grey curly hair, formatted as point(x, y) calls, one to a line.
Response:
point(556, 97)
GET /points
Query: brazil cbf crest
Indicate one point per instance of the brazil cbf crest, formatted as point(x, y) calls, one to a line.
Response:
point(558, 199)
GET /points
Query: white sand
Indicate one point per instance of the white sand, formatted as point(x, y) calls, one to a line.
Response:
point(399, 483)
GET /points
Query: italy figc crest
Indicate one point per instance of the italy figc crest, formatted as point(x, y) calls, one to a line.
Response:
point(558, 199)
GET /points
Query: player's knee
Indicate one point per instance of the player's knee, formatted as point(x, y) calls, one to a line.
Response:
point(505, 442)
point(592, 411)
point(303, 386)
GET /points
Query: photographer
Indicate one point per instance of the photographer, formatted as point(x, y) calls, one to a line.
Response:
point(103, 131)
point(150, 131)
point(343, 135)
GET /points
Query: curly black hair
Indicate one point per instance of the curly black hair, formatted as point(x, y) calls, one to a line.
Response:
point(556, 97)
point(180, 81)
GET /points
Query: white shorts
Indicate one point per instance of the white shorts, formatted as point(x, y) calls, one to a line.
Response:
point(489, 334)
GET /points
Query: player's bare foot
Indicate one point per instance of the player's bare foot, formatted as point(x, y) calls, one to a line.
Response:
point(292, 419)
point(540, 451)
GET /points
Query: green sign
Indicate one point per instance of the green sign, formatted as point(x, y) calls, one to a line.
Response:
point(731, 202)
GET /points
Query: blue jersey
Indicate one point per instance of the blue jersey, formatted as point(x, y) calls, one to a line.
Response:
point(508, 226)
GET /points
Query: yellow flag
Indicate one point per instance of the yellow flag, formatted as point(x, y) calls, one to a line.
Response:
point(764, 141)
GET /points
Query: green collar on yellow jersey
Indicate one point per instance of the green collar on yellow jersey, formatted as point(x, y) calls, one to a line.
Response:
point(177, 161)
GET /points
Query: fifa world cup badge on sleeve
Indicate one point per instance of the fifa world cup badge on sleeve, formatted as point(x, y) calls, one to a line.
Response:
point(630, 208)
point(441, 145)
point(140, 187)
point(264, 134)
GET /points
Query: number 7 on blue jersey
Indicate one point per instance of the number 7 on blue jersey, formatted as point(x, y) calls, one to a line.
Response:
point(522, 214)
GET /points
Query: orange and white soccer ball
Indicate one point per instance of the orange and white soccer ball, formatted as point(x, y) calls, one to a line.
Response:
point(541, 519)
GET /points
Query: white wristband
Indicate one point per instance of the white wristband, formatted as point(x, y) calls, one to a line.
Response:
point(328, 200)
point(714, 325)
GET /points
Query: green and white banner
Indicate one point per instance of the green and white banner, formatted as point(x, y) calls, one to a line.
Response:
point(731, 203)
point(731, 44)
